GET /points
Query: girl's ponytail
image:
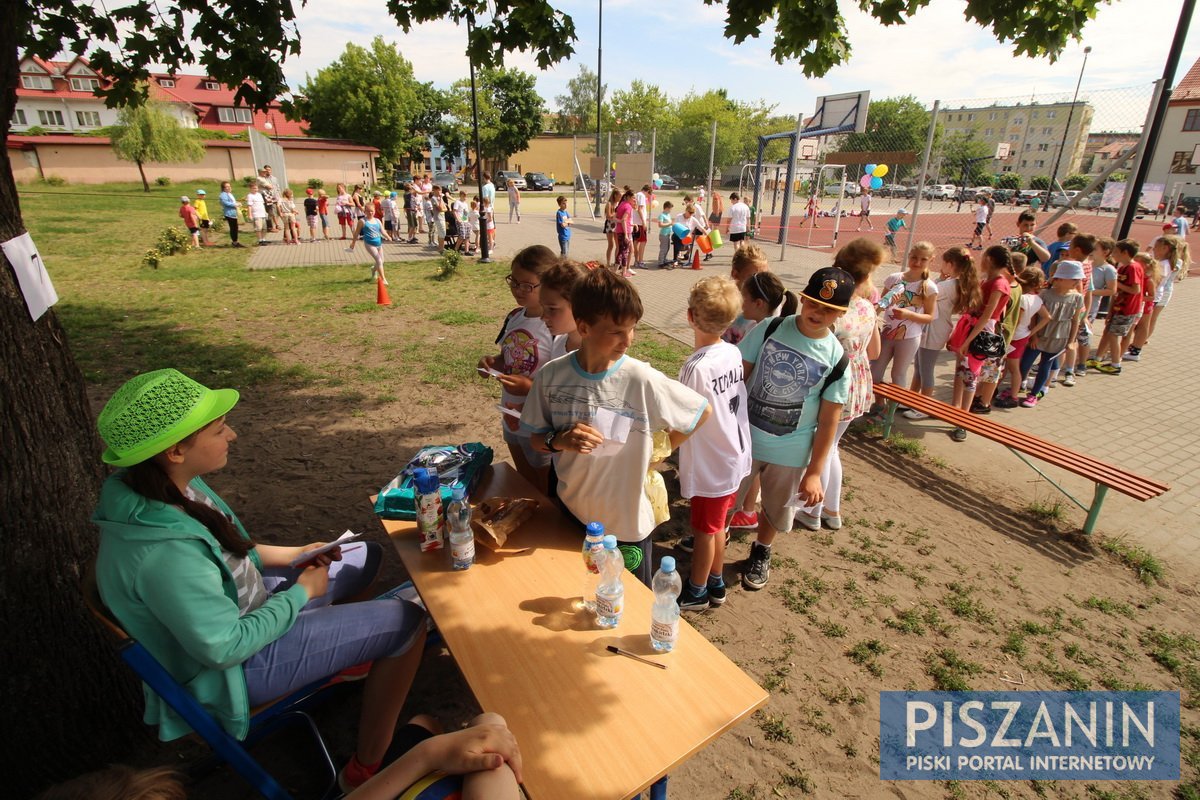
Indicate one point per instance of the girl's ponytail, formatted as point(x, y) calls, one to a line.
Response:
point(790, 303)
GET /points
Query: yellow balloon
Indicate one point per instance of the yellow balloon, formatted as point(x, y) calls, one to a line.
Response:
point(614, 166)
point(880, 171)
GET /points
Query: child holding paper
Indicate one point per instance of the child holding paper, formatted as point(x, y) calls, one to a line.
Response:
point(599, 409)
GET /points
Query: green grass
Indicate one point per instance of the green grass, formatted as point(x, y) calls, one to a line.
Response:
point(950, 671)
point(962, 603)
point(866, 654)
point(1047, 511)
point(1144, 564)
point(1110, 607)
point(775, 729)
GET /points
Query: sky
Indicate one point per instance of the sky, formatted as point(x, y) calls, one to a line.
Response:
point(680, 46)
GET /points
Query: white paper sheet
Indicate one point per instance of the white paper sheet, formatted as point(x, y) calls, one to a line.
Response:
point(32, 276)
point(512, 412)
point(341, 541)
point(614, 428)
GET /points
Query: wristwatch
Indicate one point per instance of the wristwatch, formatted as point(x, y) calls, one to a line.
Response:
point(550, 442)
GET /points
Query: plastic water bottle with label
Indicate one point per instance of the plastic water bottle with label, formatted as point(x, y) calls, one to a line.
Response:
point(593, 543)
point(610, 594)
point(886, 300)
point(462, 538)
point(429, 509)
point(664, 614)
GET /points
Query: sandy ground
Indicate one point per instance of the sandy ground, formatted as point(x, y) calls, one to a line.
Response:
point(928, 563)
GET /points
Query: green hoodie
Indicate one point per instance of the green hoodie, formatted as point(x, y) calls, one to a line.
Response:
point(161, 574)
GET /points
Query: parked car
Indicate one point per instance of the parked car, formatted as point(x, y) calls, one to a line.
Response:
point(1028, 194)
point(668, 182)
point(1060, 199)
point(401, 178)
point(897, 190)
point(1003, 195)
point(1092, 200)
point(940, 191)
point(447, 180)
point(504, 176)
point(975, 191)
point(537, 182)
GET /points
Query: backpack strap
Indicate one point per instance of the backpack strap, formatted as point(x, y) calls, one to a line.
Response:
point(835, 374)
point(772, 326)
point(504, 325)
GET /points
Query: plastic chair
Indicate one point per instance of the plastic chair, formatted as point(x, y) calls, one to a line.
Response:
point(263, 721)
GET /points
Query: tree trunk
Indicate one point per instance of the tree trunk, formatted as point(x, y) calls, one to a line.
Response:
point(145, 183)
point(70, 705)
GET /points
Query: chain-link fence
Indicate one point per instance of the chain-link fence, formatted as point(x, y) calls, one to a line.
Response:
point(943, 169)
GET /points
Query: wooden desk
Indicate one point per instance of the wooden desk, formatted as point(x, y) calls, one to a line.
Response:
point(591, 724)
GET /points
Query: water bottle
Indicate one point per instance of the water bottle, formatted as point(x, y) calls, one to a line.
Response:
point(886, 300)
point(462, 538)
point(593, 543)
point(664, 614)
point(610, 594)
point(429, 508)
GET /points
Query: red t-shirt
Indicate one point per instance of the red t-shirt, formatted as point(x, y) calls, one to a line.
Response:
point(1132, 274)
point(189, 215)
point(998, 284)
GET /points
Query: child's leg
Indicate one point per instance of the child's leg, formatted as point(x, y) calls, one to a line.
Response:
point(831, 477)
point(1012, 368)
point(664, 247)
point(904, 352)
point(1047, 365)
point(969, 381)
point(1027, 358)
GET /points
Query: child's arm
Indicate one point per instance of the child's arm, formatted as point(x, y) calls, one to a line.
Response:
point(515, 384)
point(827, 422)
point(679, 437)
point(875, 346)
point(579, 438)
point(1039, 321)
point(929, 302)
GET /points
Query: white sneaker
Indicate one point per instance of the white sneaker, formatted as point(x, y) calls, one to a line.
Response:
point(912, 413)
point(1069, 379)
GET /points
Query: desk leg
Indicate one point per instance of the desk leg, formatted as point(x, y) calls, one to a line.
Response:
point(1094, 511)
point(659, 790)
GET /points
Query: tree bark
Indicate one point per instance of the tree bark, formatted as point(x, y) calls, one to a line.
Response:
point(142, 172)
point(69, 703)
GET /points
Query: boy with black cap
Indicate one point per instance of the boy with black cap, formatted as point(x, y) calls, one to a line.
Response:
point(795, 373)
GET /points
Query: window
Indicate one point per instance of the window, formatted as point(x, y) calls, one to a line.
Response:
point(84, 84)
point(1181, 163)
point(1051, 114)
point(51, 118)
point(1039, 163)
point(970, 117)
point(960, 118)
point(19, 117)
point(1043, 148)
point(212, 86)
point(166, 83)
point(988, 133)
point(1018, 121)
point(36, 82)
point(992, 117)
point(1028, 145)
point(1015, 138)
point(1034, 115)
point(88, 119)
point(1047, 131)
point(235, 115)
point(1024, 162)
point(1192, 121)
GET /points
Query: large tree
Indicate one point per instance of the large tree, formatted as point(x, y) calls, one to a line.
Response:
point(68, 704)
point(577, 108)
point(510, 110)
point(148, 133)
point(368, 95)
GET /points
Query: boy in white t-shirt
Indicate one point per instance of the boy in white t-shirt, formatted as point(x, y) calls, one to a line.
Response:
point(713, 463)
point(598, 409)
point(739, 220)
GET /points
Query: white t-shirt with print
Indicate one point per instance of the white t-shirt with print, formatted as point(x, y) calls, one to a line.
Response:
point(739, 217)
point(524, 348)
point(910, 298)
point(640, 208)
point(783, 405)
point(937, 332)
point(714, 460)
point(1030, 305)
point(607, 486)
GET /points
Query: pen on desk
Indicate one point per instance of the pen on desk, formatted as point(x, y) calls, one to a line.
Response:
point(614, 649)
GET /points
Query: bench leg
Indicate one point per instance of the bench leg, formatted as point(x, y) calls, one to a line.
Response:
point(888, 416)
point(659, 790)
point(1094, 512)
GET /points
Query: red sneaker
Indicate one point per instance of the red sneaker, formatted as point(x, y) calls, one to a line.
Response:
point(355, 774)
point(743, 520)
point(352, 674)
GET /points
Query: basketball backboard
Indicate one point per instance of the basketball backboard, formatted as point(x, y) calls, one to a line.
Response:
point(1003, 151)
point(840, 113)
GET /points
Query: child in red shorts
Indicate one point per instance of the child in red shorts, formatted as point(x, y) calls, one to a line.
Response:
point(714, 460)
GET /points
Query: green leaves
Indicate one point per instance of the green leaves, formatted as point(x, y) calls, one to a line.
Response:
point(510, 110)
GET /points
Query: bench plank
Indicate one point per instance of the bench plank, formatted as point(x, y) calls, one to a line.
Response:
point(1085, 466)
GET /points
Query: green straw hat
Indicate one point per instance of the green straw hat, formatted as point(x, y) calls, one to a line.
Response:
point(156, 410)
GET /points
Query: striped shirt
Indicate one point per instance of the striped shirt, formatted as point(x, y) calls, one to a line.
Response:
point(251, 591)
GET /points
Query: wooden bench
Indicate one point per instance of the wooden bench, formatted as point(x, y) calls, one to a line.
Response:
point(1105, 476)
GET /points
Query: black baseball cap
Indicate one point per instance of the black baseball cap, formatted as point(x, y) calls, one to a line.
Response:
point(830, 287)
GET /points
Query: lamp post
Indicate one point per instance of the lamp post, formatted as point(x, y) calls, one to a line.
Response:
point(1070, 116)
point(484, 254)
point(599, 92)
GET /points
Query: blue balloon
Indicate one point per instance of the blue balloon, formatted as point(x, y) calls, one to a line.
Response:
point(869, 168)
point(876, 183)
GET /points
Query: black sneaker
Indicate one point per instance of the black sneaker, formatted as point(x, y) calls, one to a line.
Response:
point(692, 601)
point(758, 568)
point(686, 544)
point(716, 594)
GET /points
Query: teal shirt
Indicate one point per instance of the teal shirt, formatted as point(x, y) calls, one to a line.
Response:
point(783, 405)
point(161, 574)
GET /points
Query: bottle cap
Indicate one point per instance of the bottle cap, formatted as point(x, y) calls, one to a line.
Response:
point(610, 542)
point(667, 564)
point(458, 492)
point(595, 529)
point(425, 480)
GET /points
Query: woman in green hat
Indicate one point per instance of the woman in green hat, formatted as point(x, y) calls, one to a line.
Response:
point(230, 619)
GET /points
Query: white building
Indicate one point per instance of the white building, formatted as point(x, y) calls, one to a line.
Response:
point(1172, 162)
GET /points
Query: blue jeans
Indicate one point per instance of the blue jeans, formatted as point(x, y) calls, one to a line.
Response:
point(325, 638)
point(564, 247)
point(1048, 363)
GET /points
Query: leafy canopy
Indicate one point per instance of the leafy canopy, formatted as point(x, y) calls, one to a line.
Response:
point(510, 110)
point(577, 108)
point(148, 133)
point(243, 43)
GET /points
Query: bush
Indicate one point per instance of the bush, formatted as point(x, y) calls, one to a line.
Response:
point(34, 130)
point(55, 180)
point(1039, 182)
point(316, 183)
point(162, 180)
point(152, 258)
point(249, 180)
point(448, 264)
point(173, 240)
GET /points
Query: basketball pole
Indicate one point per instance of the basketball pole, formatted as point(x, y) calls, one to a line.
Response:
point(921, 179)
point(793, 148)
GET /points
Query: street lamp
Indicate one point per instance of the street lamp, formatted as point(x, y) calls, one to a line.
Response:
point(270, 125)
point(1070, 116)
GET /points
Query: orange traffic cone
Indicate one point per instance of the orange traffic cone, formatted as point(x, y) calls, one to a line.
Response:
point(696, 259)
point(381, 293)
